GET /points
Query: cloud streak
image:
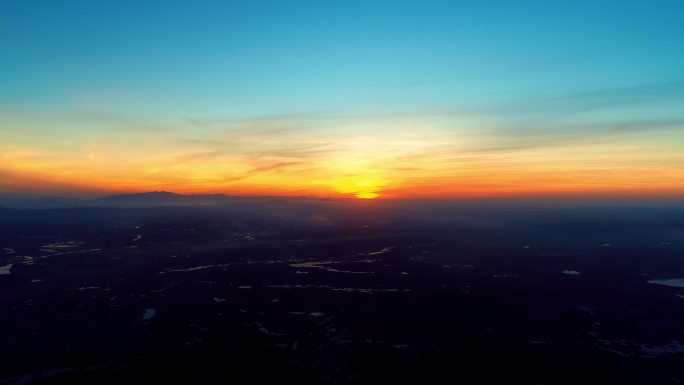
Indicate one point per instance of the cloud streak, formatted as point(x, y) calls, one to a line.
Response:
point(552, 144)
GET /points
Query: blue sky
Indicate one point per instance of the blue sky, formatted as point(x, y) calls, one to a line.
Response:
point(505, 75)
point(247, 58)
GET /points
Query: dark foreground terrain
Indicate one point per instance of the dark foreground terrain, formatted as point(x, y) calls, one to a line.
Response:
point(315, 292)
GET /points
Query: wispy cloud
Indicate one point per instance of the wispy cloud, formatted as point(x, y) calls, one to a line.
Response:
point(562, 141)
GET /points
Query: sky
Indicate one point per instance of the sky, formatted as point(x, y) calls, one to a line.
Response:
point(366, 99)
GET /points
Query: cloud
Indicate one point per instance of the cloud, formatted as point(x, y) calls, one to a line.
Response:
point(493, 146)
point(553, 118)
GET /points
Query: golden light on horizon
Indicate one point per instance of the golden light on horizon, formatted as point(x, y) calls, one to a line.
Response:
point(367, 195)
point(362, 187)
point(339, 165)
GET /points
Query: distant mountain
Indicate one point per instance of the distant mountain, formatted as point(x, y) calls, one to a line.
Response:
point(167, 199)
point(162, 198)
point(149, 199)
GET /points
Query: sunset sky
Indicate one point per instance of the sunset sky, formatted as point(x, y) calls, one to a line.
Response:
point(388, 99)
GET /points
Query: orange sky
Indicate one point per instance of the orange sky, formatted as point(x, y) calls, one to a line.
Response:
point(385, 99)
point(369, 157)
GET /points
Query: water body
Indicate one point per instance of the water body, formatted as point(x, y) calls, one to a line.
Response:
point(6, 269)
point(189, 269)
point(379, 252)
point(149, 313)
point(673, 282)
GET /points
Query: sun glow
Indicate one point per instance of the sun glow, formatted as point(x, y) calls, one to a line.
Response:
point(367, 195)
point(361, 187)
point(422, 165)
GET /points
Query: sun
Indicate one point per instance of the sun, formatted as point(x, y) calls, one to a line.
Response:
point(362, 187)
point(367, 195)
